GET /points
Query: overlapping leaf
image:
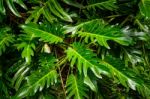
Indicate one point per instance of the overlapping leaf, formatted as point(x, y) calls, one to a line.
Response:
point(27, 46)
point(43, 35)
point(20, 76)
point(44, 76)
point(76, 88)
point(5, 39)
point(11, 6)
point(49, 10)
point(84, 59)
point(144, 8)
point(98, 31)
point(108, 4)
point(126, 77)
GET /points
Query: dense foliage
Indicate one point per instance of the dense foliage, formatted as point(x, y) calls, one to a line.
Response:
point(74, 49)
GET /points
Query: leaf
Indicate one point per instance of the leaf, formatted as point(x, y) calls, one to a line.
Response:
point(98, 31)
point(43, 77)
point(108, 4)
point(44, 35)
point(12, 7)
point(58, 11)
point(35, 14)
point(5, 39)
point(27, 46)
point(4, 89)
point(73, 3)
point(47, 60)
point(81, 56)
point(122, 74)
point(2, 9)
point(144, 8)
point(20, 2)
point(27, 50)
point(89, 83)
point(20, 76)
point(49, 10)
point(75, 88)
point(35, 83)
point(132, 55)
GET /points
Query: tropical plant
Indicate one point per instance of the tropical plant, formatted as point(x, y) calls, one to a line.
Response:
point(64, 49)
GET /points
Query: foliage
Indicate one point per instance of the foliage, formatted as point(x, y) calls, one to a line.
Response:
point(88, 49)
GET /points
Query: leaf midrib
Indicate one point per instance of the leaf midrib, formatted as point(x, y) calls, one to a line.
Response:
point(97, 35)
point(81, 56)
point(44, 32)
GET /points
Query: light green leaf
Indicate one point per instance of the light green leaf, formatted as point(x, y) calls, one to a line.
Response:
point(19, 76)
point(89, 83)
point(20, 2)
point(75, 88)
point(107, 4)
point(41, 78)
point(50, 10)
point(84, 59)
point(98, 31)
point(27, 50)
point(144, 6)
point(5, 39)
point(43, 35)
point(12, 7)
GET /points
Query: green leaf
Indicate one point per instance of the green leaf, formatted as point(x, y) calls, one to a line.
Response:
point(12, 7)
point(42, 78)
point(58, 11)
point(84, 58)
point(49, 10)
point(20, 2)
point(75, 88)
point(98, 31)
point(27, 46)
point(20, 76)
point(73, 3)
point(144, 6)
point(36, 82)
point(47, 61)
point(4, 89)
point(89, 83)
point(122, 74)
point(43, 35)
point(108, 4)
point(5, 39)
point(2, 9)
point(27, 50)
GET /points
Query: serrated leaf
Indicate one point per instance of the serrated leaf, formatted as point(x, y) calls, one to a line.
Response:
point(144, 6)
point(41, 78)
point(107, 4)
point(44, 35)
point(98, 31)
point(5, 39)
point(75, 88)
point(81, 56)
point(20, 2)
point(50, 10)
point(12, 7)
point(89, 83)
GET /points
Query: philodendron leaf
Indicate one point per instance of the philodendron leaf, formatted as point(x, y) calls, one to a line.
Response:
point(5, 39)
point(89, 83)
point(12, 7)
point(43, 35)
point(144, 6)
point(2, 9)
point(76, 89)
